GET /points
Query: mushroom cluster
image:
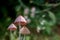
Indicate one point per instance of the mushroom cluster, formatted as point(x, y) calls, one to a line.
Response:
point(20, 20)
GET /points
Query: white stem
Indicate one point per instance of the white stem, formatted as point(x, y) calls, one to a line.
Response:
point(19, 32)
point(10, 35)
point(24, 37)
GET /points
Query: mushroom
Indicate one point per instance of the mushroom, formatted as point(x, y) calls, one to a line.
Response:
point(24, 31)
point(12, 27)
point(26, 11)
point(20, 20)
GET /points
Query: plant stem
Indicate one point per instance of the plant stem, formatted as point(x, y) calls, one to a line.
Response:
point(24, 37)
point(19, 32)
point(10, 35)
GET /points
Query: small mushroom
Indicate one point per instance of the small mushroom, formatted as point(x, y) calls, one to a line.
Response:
point(20, 20)
point(33, 9)
point(12, 27)
point(24, 31)
point(26, 11)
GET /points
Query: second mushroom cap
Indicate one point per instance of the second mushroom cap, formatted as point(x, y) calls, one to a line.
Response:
point(12, 27)
point(24, 30)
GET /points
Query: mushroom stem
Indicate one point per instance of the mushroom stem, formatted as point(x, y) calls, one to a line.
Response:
point(24, 37)
point(19, 32)
point(10, 35)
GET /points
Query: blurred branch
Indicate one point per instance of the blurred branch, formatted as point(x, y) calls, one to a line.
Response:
point(43, 10)
point(52, 5)
point(22, 5)
point(47, 4)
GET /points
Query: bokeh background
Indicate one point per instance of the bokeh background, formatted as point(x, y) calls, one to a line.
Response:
point(43, 18)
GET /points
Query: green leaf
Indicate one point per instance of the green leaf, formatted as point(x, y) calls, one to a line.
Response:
point(53, 18)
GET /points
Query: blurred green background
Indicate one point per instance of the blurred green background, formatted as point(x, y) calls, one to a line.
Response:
point(45, 19)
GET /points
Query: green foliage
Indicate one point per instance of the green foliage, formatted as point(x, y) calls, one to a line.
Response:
point(51, 12)
point(38, 2)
